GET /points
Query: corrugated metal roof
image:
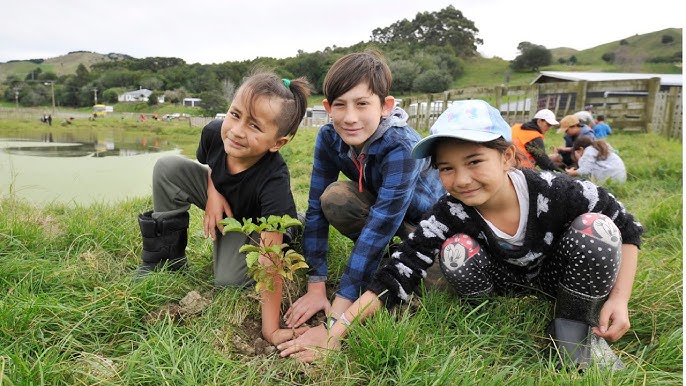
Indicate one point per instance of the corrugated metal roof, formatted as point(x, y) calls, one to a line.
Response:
point(575, 76)
point(142, 91)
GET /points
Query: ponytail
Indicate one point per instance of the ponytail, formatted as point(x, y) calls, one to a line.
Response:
point(292, 93)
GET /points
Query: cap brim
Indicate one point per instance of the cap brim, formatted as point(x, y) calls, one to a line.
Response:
point(423, 148)
point(561, 130)
point(553, 122)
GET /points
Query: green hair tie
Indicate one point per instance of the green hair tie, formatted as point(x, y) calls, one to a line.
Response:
point(286, 82)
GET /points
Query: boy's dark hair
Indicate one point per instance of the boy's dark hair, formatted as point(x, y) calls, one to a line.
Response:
point(600, 117)
point(368, 67)
point(267, 84)
point(499, 144)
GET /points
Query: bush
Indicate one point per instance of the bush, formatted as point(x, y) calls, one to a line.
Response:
point(432, 81)
point(608, 57)
point(404, 73)
point(666, 39)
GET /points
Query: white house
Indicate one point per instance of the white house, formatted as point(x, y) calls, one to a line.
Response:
point(141, 95)
point(191, 102)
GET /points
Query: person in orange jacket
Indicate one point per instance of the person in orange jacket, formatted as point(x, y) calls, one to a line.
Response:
point(528, 138)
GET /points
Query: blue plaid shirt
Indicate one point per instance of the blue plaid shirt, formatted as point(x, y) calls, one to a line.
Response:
point(404, 187)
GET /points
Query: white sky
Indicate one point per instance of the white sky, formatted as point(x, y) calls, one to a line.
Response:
point(216, 31)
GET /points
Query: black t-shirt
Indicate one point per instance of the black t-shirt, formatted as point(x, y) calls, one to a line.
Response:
point(263, 189)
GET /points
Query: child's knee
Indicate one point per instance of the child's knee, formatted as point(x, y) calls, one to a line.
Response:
point(599, 227)
point(345, 208)
point(457, 251)
point(458, 262)
point(165, 165)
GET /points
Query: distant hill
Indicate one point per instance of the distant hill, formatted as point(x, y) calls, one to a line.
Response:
point(60, 65)
point(631, 51)
point(638, 53)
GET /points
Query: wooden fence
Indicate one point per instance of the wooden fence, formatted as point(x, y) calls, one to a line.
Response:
point(629, 105)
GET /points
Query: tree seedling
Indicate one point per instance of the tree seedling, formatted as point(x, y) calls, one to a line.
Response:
point(284, 260)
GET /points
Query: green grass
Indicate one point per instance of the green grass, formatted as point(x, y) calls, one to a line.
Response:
point(71, 315)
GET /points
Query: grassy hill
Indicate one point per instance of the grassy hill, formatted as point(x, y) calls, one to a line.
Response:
point(632, 54)
point(60, 65)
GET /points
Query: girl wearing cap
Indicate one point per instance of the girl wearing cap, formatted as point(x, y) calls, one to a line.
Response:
point(501, 229)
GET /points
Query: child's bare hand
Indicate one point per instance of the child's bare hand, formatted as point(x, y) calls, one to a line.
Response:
point(613, 321)
point(310, 345)
point(215, 208)
point(304, 308)
point(284, 334)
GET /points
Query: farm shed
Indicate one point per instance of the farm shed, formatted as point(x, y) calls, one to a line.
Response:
point(629, 101)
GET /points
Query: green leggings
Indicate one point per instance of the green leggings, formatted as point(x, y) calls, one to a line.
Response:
point(178, 182)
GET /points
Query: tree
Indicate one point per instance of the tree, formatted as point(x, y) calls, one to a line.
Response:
point(404, 73)
point(111, 95)
point(666, 39)
point(608, 57)
point(432, 81)
point(174, 96)
point(312, 66)
point(447, 27)
point(533, 56)
point(151, 82)
point(82, 75)
point(213, 102)
point(153, 98)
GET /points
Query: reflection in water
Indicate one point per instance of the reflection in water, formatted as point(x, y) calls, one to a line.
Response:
point(44, 172)
point(95, 149)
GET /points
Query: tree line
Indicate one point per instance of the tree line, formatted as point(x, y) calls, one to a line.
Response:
point(426, 54)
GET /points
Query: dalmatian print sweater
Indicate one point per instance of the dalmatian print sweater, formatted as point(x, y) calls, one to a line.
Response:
point(555, 201)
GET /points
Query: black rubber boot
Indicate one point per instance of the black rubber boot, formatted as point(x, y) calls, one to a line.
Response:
point(571, 342)
point(164, 242)
point(572, 337)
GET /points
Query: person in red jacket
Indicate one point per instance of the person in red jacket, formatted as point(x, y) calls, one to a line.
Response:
point(528, 137)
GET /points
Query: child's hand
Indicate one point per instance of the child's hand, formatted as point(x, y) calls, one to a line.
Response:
point(614, 320)
point(310, 345)
point(309, 304)
point(215, 208)
point(284, 334)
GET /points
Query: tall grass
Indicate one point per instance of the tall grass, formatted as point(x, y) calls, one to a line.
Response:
point(70, 313)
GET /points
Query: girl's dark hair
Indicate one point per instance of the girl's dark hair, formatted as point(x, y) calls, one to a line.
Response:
point(368, 67)
point(600, 145)
point(293, 93)
point(500, 144)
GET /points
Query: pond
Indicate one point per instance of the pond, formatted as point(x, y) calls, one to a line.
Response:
point(77, 170)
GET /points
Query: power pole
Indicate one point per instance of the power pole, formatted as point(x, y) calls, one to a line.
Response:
point(95, 96)
point(52, 92)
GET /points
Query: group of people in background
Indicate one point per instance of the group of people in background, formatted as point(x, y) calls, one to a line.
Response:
point(585, 152)
point(476, 198)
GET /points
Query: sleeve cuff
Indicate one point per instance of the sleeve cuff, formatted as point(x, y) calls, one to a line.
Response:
point(316, 279)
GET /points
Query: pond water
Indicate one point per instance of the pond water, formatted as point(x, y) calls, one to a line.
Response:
point(47, 170)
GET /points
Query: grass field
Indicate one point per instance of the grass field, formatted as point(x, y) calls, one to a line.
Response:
point(71, 315)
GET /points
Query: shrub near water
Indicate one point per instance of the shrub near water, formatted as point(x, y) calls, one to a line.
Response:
point(71, 315)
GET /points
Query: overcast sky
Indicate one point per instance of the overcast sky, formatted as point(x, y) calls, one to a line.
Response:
point(216, 31)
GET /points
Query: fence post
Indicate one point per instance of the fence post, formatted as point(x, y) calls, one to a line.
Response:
point(427, 116)
point(581, 95)
point(669, 126)
point(651, 99)
point(498, 96)
point(533, 92)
